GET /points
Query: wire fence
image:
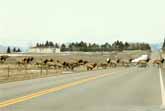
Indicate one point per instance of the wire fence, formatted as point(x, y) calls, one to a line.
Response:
point(13, 73)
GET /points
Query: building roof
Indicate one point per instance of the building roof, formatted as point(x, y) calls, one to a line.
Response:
point(43, 47)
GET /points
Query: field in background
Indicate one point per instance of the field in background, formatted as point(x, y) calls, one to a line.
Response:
point(9, 71)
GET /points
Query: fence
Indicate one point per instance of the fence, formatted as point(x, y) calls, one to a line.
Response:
point(13, 73)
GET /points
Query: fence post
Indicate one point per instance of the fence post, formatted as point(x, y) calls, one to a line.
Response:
point(47, 70)
point(8, 71)
point(26, 68)
point(41, 70)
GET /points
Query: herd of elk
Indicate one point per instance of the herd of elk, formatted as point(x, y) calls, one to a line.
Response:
point(51, 63)
point(65, 65)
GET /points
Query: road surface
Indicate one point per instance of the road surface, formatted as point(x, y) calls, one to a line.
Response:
point(120, 89)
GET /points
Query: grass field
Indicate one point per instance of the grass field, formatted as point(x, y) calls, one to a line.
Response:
point(9, 71)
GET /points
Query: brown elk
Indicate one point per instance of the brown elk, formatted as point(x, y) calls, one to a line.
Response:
point(3, 58)
point(48, 62)
point(82, 62)
point(26, 60)
point(158, 62)
point(66, 65)
point(143, 63)
point(56, 64)
point(105, 65)
point(126, 62)
point(91, 66)
point(114, 63)
point(73, 65)
point(70, 65)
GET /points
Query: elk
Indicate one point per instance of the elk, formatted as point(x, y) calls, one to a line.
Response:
point(114, 63)
point(3, 58)
point(45, 62)
point(105, 65)
point(56, 64)
point(26, 60)
point(73, 65)
point(143, 63)
point(159, 62)
point(126, 62)
point(91, 66)
point(66, 65)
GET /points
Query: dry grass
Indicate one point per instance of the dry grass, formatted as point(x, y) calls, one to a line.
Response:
point(9, 71)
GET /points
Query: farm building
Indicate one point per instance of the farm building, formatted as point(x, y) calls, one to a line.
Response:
point(44, 50)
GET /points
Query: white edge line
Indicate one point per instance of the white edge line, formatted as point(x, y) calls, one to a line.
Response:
point(162, 88)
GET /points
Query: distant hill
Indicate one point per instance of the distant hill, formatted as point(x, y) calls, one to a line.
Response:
point(156, 46)
point(2, 49)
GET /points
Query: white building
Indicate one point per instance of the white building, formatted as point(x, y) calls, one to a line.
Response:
point(44, 50)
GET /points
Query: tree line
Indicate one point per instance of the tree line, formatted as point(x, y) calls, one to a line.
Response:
point(15, 50)
point(92, 47)
point(47, 44)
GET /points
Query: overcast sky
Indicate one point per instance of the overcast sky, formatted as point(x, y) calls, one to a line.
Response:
point(23, 22)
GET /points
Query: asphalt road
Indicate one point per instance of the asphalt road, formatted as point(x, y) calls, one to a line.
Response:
point(121, 89)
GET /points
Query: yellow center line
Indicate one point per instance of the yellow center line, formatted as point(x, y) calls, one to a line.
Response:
point(51, 90)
